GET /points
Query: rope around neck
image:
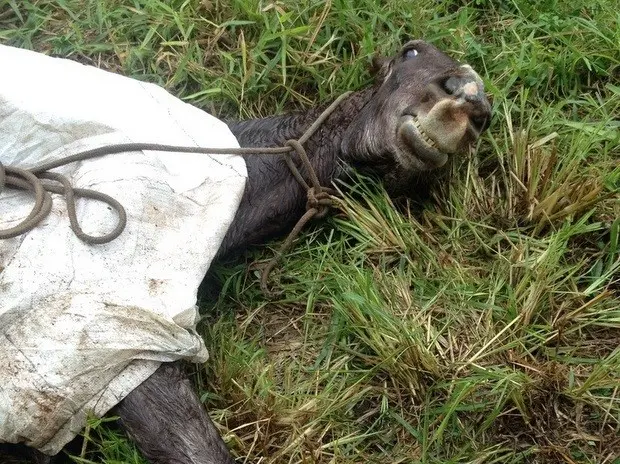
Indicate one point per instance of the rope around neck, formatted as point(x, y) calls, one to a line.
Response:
point(318, 204)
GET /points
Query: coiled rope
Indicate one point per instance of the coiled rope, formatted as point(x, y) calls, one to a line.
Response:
point(318, 204)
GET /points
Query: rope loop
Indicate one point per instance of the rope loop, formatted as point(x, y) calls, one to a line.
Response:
point(71, 194)
point(24, 179)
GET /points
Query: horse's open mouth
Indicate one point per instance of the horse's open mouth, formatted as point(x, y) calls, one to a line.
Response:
point(419, 142)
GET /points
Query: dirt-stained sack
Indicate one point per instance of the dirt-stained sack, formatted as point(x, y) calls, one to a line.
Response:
point(82, 325)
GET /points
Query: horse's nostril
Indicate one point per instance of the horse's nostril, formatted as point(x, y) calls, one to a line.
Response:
point(452, 85)
point(480, 123)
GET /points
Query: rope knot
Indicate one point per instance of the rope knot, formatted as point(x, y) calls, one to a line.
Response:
point(321, 201)
point(295, 145)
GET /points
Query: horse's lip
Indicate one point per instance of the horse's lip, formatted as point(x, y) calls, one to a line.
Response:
point(420, 144)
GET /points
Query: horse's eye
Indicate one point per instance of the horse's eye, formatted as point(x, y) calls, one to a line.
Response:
point(412, 52)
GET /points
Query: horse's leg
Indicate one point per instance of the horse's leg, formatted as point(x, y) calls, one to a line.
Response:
point(169, 424)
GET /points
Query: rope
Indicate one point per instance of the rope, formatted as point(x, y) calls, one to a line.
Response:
point(319, 198)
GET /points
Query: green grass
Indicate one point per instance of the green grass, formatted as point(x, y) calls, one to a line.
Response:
point(482, 326)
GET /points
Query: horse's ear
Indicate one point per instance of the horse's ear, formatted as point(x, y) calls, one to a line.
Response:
point(380, 67)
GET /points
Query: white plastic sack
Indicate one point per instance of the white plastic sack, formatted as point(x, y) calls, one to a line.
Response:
point(82, 325)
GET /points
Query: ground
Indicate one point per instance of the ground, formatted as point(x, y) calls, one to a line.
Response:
point(478, 326)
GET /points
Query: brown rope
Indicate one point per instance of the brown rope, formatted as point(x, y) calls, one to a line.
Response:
point(319, 198)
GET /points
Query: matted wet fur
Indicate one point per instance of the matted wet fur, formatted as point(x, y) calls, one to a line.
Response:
point(168, 422)
point(424, 109)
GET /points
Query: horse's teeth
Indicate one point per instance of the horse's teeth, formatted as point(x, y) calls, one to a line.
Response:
point(423, 134)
